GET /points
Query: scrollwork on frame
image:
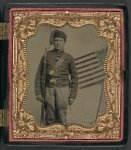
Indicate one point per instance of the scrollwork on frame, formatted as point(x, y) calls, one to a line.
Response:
point(25, 25)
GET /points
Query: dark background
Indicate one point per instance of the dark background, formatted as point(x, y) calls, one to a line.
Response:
point(3, 65)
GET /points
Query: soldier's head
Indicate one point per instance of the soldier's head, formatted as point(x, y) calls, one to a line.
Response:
point(59, 39)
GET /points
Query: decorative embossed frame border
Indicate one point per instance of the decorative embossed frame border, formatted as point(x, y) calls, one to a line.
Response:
point(110, 24)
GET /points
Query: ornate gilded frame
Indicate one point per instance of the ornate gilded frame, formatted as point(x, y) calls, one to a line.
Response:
point(23, 25)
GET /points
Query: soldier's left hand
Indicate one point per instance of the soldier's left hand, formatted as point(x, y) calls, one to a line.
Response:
point(71, 101)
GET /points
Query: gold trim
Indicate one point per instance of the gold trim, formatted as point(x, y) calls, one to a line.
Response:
point(25, 25)
point(2, 122)
point(3, 31)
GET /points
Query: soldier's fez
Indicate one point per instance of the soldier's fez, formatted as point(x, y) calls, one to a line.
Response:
point(60, 34)
point(57, 33)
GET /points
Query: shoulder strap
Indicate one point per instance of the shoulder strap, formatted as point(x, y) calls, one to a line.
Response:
point(60, 61)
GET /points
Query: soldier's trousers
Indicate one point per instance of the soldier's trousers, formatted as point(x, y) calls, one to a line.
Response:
point(56, 104)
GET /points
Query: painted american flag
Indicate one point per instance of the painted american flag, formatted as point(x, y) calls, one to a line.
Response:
point(90, 69)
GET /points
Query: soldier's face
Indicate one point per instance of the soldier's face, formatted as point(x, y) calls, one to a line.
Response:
point(59, 43)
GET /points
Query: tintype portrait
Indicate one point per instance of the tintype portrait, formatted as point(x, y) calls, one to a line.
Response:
point(66, 77)
point(75, 63)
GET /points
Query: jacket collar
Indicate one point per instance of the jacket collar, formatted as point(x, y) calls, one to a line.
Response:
point(59, 52)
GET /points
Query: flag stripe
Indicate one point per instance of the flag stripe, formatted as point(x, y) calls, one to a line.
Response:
point(87, 65)
point(101, 75)
point(90, 74)
point(91, 71)
point(93, 80)
point(87, 85)
point(92, 68)
point(84, 56)
point(85, 61)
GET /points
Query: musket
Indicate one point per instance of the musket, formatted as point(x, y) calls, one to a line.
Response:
point(44, 90)
point(43, 121)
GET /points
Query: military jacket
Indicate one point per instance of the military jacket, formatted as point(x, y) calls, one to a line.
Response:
point(65, 74)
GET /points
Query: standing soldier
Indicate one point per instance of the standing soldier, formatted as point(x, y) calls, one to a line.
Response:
point(56, 81)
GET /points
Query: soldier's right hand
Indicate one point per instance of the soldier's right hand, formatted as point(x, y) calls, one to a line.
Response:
point(40, 98)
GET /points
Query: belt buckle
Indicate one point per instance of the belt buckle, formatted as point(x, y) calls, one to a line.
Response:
point(53, 81)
